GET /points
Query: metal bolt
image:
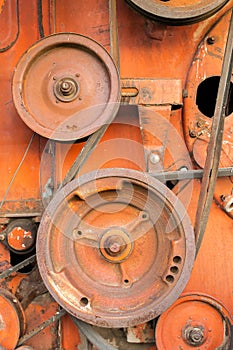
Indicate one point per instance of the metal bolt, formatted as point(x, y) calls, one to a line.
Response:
point(154, 158)
point(194, 335)
point(66, 88)
point(183, 168)
point(223, 197)
point(200, 123)
point(192, 133)
point(211, 40)
point(115, 248)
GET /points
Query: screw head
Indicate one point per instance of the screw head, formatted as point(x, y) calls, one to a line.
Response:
point(211, 40)
point(154, 158)
point(192, 133)
point(115, 247)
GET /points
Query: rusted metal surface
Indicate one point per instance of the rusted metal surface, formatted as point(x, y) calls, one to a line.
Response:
point(113, 27)
point(215, 143)
point(21, 235)
point(43, 325)
point(9, 31)
point(148, 51)
point(2, 2)
point(178, 12)
point(142, 333)
point(70, 99)
point(12, 320)
point(120, 211)
point(194, 321)
point(202, 83)
point(71, 336)
point(102, 338)
point(42, 308)
point(149, 92)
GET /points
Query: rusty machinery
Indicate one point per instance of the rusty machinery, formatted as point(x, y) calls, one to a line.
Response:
point(115, 160)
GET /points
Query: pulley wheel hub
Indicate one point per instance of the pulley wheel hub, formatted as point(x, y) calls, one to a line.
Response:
point(178, 12)
point(66, 89)
point(115, 247)
point(66, 86)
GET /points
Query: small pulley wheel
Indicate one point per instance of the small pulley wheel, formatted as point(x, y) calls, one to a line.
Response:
point(178, 12)
point(66, 86)
point(194, 322)
point(115, 248)
point(12, 320)
point(21, 236)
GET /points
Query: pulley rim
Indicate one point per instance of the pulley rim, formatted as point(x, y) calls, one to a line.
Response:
point(66, 86)
point(58, 271)
point(179, 13)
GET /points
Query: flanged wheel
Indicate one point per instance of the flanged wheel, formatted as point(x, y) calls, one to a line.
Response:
point(12, 320)
point(66, 86)
point(194, 321)
point(115, 247)
point(177, 12)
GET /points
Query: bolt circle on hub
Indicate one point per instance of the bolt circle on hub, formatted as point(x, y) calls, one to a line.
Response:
point(115, 247)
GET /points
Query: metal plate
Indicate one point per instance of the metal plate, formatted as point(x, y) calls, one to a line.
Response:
point(194, 321)
point(178, 12)
point(202, 85)
point(66, 86)
point(115, 247)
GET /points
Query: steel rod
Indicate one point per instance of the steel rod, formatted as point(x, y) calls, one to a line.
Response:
point(189, 174)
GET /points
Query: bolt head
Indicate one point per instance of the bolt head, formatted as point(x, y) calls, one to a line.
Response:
point(115, 248)
point(194, 335)
point(154, 158)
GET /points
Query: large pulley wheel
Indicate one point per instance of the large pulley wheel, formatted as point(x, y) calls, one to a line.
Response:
point(66, 86)
point(115, 247)
point(194, 322)
point(178, 12)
